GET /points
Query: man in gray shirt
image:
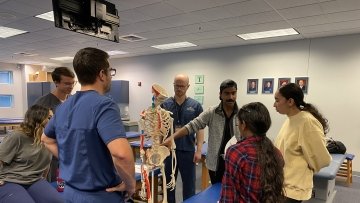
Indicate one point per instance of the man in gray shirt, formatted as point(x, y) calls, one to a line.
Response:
point(64, 80)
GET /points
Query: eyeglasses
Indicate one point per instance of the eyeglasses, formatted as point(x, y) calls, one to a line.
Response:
point(180, 86)
point(112, 71)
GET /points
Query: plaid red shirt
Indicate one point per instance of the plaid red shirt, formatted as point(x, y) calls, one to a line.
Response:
point(241, 180)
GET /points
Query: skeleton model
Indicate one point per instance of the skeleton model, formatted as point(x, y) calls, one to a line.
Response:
point(157, 123)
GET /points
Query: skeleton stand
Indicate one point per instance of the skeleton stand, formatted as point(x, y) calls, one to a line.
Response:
point(157, 123)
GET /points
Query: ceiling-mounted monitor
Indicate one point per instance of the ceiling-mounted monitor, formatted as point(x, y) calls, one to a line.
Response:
point(97, 18)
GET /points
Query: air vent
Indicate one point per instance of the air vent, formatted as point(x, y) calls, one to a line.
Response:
point(25, 54)
point(132, 38)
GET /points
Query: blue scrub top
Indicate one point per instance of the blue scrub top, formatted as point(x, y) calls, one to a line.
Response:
point(82, 126)
point(183, 114)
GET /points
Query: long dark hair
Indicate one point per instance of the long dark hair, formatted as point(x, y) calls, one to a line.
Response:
point(257, 119)
point(34, 122)
point(293, 91)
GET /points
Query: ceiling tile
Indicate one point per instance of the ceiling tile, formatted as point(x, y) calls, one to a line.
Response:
point(311, 20)
point(25, 9)
point(143, 26)
point(248, 7)
point(132, 16)
point(281, 4)
point(344, 16)
point(183, 19)
point(131, 4)
point(7, 16)
point(332, 33)
point(252, 19)
point(47, 4)
point(191, 5)
point(301, 11)
point(159, 10)
point(30, 37)
point(340, 5)
point(327, 18)
point(9, 43)
point(330, 27)
point(213, 14)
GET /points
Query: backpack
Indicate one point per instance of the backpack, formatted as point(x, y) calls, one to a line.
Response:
point(335, 147)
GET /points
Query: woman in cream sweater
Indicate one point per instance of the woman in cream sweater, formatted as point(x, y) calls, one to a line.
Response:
point(301, 141)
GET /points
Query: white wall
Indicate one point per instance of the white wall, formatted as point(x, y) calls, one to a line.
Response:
point(331, 65)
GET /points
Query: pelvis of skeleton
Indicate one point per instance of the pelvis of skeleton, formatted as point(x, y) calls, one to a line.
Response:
point(156, 156)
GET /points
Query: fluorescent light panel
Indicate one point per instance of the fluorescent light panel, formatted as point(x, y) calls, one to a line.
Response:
point(268, 34)
point(6, 32)
point(116, 52)
point(63, 58)
point(174, 45)
point(47, 16)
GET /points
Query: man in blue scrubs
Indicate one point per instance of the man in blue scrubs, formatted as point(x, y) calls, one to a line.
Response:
point(88, 137)
point(184, 109)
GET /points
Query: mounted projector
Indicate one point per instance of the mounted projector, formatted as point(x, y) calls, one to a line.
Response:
point(96, 18)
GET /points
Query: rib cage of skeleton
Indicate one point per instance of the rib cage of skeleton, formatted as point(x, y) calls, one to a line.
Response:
point(156, 122)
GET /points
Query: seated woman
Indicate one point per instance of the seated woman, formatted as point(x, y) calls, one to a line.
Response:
point(24, 162)
point(253, 166)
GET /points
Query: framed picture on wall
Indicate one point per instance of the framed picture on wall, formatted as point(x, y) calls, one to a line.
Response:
point(199, 79)
point(283, 81)
point(268, 85)
point(303, 82)
point(252, 86)
point(199, 98)
point(199, 89)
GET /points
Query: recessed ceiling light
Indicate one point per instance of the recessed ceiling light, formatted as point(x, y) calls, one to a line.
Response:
point(47, 16)
point(6, 32)
point(268, 34)
point(116, 52)
point(63, 58)
point(174, 45)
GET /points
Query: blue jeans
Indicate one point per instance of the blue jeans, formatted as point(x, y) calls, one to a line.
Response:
point(72, 195)
point(186, 166)
point(39, 192)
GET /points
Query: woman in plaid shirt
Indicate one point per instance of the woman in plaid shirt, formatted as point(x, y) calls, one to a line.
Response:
point(253, 166)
